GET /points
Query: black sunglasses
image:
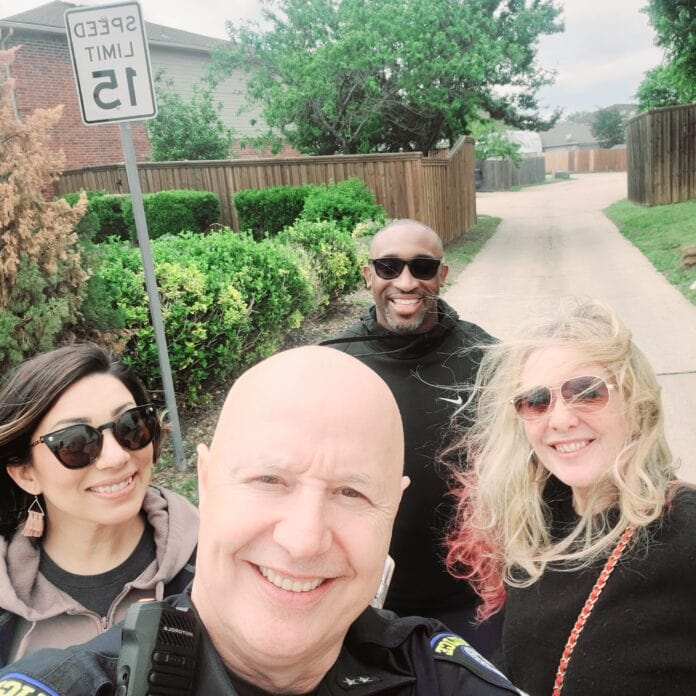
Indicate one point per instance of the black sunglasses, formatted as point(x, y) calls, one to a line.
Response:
point(586, 394)
point(390, 267)
point(79, 445)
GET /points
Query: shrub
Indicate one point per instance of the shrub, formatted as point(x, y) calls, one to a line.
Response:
point(265, 212)
point(333, 264)
point(104, 216)
point(173, 212)
point(347, 202)
point(41, 277)
point(227, 302)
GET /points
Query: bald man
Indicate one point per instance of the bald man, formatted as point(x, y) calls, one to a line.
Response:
point(298, 493)
point(427, 355)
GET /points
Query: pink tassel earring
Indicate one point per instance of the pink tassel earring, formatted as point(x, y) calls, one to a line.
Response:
point(34, 525)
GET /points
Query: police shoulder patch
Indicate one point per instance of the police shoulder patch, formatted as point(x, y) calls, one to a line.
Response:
point(453, 648)
point(18, 684)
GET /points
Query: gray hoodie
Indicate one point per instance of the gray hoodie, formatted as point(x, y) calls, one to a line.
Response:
point(48, 617)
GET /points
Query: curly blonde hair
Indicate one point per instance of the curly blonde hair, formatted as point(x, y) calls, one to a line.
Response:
point(501, 535)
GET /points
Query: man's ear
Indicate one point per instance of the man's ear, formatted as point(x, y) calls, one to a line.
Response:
point(367, 275)
point(25, 477)
point(444, 270)
point(203, 462)
point(405, 483)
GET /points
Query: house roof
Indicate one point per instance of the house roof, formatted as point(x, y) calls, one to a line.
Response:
point(568, 134)
point(50, 18)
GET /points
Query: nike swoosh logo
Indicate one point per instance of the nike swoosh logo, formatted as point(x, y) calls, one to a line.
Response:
point(457, 402)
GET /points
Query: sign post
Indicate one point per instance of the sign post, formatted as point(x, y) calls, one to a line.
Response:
point(111, 61)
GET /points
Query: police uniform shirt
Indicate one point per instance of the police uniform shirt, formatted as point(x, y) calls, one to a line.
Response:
point(382, 654)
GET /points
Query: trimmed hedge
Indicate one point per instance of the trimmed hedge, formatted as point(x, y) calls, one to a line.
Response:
point(173, 212)
point(347, 202)
point(227, 302)
point(265, 212)
point(166, 212)
point(104, 215)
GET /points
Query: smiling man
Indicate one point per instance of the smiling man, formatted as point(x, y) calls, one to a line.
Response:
point(428, 356)
point(298, 493)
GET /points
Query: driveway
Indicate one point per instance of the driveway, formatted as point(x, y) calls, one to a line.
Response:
point(555, 241)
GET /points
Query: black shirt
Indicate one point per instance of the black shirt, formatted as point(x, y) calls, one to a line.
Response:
point(97, 592)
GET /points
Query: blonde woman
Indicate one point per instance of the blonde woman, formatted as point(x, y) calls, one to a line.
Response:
point(571, 515)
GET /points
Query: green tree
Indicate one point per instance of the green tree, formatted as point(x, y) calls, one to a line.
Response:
point(187, 129)
point(492, 141)
point(674, 22)
point(609, 127)
point(658, 89)
point(387, 75)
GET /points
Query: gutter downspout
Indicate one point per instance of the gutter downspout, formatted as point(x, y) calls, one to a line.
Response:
point(8, 74)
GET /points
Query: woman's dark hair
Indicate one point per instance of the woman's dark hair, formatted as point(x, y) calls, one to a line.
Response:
point(30, 393)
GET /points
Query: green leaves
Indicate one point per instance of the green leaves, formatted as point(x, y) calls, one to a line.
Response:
point(609, 127)
point(187, 129)
point(357, 76)
point(673, 82)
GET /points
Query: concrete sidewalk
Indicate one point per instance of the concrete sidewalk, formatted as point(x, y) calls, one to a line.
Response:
point(554, 241)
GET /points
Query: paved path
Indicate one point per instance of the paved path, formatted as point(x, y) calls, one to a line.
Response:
point(555, 241)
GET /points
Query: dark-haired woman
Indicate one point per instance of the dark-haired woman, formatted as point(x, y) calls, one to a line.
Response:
point(84, 534)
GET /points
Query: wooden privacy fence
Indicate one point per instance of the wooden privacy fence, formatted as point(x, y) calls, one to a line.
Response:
point(503, 174)
point(662, 155)
point(439, 192)
point(584, 161)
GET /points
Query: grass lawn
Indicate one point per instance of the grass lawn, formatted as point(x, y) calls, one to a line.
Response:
point(660, 233)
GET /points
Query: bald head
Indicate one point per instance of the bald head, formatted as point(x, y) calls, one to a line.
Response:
point(389, 241)
point(324, 393)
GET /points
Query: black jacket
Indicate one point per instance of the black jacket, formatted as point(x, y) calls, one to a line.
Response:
point(640, 638)
point(381, 654)
point(429, 374)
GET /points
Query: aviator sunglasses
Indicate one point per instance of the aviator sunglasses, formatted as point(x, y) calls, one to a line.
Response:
point(391, 267)
point(586, 394)
point(79, 445)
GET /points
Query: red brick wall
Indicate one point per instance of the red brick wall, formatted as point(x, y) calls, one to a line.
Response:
point(44, 78)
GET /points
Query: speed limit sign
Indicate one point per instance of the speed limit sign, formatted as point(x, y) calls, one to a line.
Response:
point(111, 62)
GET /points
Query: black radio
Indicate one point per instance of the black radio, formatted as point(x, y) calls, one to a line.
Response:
point(159, 645)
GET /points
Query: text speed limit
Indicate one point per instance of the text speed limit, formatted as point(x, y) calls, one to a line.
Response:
point(111, 61)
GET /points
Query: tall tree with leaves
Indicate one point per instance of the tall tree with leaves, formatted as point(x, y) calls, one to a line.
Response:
point(673, 82)
point(387, 75)
point(187, 129)
point(609, 127)
point(674, 22)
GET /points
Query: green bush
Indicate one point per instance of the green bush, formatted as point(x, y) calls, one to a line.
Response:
point(265, 212)
point(103, 218)
point(333, 266)
point(227, 302)
point(347, 202)
point(173, 212)
point(39, 310)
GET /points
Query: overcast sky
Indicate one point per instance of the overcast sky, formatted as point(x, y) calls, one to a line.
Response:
point(600, 58)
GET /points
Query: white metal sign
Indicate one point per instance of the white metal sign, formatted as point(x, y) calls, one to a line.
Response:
point(111, 62)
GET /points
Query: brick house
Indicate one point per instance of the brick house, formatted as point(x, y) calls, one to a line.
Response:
point(44, 78)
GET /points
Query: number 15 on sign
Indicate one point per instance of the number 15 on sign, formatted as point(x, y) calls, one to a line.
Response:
point(112, 62)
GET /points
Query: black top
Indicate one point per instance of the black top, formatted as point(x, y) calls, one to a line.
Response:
point(429, 374)
point(381, 655)
point(97, 592)
point(641, 636)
